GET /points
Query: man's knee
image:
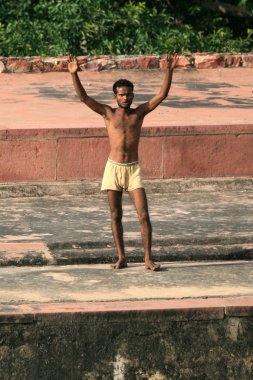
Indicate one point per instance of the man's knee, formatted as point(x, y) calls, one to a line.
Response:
point(144, 217)
point(116, 215)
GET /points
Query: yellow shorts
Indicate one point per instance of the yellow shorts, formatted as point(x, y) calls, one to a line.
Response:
point(119, 177)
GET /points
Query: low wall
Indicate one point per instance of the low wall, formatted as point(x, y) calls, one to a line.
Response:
point(127, 341)
point(110, 62)
point(165, 152)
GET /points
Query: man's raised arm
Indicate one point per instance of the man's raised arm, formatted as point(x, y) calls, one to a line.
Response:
point(102, 109)
point(171, 62)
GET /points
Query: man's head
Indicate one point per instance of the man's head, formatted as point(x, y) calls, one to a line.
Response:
point(123, 91)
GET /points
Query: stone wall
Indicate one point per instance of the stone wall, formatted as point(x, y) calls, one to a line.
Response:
point(165, 152)
point(172, 344)
point(109, 62)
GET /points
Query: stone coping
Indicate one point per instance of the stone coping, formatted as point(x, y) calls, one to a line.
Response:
point(147, 131)
point(181, 310)
point(37, 64)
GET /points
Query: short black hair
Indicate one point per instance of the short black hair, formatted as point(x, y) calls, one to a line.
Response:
point(121, 83)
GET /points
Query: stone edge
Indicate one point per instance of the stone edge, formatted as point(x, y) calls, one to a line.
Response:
point(179, 310)
point(147, 131)
point(92, 187)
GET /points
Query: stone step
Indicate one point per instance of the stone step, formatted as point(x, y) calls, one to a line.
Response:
point(154, 186)
point(135, 254)
point(69, 253)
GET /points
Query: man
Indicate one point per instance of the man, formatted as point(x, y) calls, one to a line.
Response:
point(122, 170)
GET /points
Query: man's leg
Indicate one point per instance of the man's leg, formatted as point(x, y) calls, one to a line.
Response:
point(115, 203)
point(139, 199)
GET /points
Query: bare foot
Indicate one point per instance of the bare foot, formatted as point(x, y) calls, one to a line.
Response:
point(152, 266)
point(120, 264)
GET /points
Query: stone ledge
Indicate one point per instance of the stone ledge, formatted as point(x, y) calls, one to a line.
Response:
point(109, 62)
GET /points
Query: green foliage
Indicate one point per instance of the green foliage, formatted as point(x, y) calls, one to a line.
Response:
point(57, 27)
point(222, 40)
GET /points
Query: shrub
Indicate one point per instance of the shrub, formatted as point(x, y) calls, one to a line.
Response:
point(57, 27)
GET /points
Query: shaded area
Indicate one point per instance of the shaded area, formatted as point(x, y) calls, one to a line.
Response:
point(211, 99)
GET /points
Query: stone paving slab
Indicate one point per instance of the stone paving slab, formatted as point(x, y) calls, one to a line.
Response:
point(80, 219)
point(69, 230)
point(81, 283)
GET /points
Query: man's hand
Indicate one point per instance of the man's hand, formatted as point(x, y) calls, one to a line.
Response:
point(171, 60)
point(72, 64)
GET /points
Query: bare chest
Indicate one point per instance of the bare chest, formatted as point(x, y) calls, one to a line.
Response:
point(125, 123)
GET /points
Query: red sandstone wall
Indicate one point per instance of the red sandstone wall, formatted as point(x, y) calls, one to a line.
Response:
point(108, 62)
point(165, 152)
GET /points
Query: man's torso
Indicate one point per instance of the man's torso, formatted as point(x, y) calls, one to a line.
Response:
point(124, 130)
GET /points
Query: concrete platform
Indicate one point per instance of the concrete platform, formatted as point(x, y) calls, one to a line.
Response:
point(189, 230)
point(204, 129)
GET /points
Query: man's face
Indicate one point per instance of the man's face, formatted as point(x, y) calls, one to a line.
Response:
point(124, 96)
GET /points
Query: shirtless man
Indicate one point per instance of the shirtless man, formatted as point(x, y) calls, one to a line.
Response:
point(122, 170)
